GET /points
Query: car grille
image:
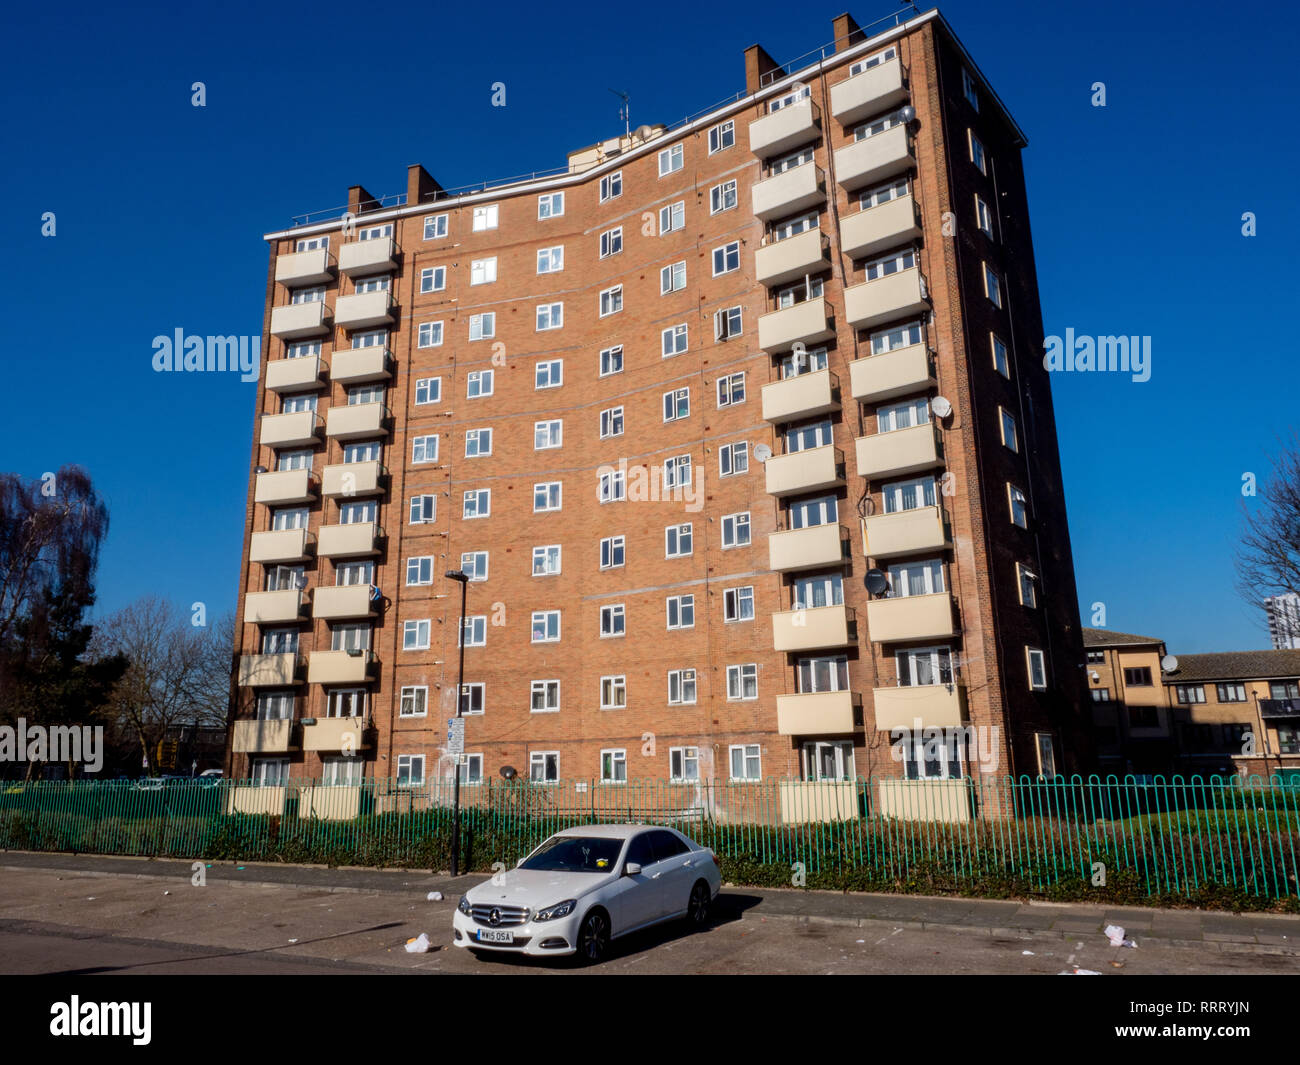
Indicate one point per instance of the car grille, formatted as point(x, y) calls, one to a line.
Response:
point(507, 916)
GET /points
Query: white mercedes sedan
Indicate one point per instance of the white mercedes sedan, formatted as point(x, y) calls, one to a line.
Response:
point(587, 886)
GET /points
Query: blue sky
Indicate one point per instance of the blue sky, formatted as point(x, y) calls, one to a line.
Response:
point(160, 208)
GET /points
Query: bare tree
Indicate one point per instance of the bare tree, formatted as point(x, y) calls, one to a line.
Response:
point(1268, 557)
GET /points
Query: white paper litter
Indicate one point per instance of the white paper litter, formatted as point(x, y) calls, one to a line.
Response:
point(1116, 936)
point(419, 945)
point(1027, 953)
point(435, 896)
point(1078, 972)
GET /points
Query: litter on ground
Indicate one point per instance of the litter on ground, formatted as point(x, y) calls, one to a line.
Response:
point(1116, 936)
point(1076, 971)
point(435, 896)
point(418, 945)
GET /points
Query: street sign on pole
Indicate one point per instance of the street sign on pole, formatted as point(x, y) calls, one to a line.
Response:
point(456, 735)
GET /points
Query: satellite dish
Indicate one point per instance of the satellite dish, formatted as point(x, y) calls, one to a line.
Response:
point(762, 452)
point(941, 406)
point(907, 113)
point(877, 582)
point(1169, 663)
point(643, 132)
point(509, 772)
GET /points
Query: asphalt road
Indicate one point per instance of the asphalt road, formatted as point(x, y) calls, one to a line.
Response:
point(70, 921)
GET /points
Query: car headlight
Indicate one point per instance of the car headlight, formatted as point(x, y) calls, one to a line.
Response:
point(560, 909)
point(464, 905)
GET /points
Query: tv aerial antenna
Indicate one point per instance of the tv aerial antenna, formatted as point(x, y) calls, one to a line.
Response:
point(625, 111)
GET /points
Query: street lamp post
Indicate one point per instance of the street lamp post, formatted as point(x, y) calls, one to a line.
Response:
point(462, 578)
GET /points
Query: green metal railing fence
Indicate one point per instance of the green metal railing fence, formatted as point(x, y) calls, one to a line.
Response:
point(1168, 839)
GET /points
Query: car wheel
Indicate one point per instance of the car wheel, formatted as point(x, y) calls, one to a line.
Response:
point(593, 937)
point(697, 910)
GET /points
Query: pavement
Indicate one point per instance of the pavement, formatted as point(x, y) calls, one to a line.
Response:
point(82, 914)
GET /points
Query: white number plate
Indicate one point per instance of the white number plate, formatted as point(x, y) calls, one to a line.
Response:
point(495, 935)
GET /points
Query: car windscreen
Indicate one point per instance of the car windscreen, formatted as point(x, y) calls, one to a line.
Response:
point(575, 854)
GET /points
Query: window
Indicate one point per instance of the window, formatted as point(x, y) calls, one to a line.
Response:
point(482, 326)
point(992, 286)
point(474, 564)
point(471, 769)
point(790, 162)
point(274, 706)
point(670, 160)
point(1284, 689)
point(546, 626)
point(551, 205)
point(899, 337)
point(726, 258)
point(727, 323)
point(419, 570)
point(731, 390)
point(357, 513)
point(354, 573)
point(799, 292)
point(1046, 755)
point(415, 702)
point(923, 577)
point(478, 442)
point(1027, 581)
point(613, 619)
point(410, 770)
point(301, 349)
point(893, 263)
point(479, 383)
point(891, 190)
point(611, 422)
point(415, 635)
point(722, 136)
point(908, 495)
point(1101, 695)
point(1096, 656)
point(677, 471)
point(427, 390)
point(424, 449)
point(435, 227)
point(937, 758)
point(429, 335)
point(999, 356)
point(735, 530)
point(546, 496)
point(485, 217)
point(673, 340)
point(1231, 693)
point(733, 459)
point(312, 243)
point(350, 636)
point(1037, 662)
point(983, 216)
point(376, 232)
point(1019, 507)
point(677, 540)
point(546, 560)
point(1190, 693)
point(547, 435)
point(544, 767)
point(681, 687)
point(549, 316)
point(807, 437)
point(746, 763)
point(474, 632)
point(612, 550)
point(612, 486)
point(968, 89)
point(613, 692)
point(878, 125)
point(677, 404)
point(1008, 429)
point(279, 641)
point(722, 197)
point(471, 698)
point(298, 459)
point(683, 763)
point(789, 99)
point(483, 271)
point(1137, 676)
point(738, 604)
point(672, 278)
point(433, 279)
point(613, 766)
point(289, 518)
point(358, 394)
point(545, 698)
point(828, 760)
point(828, 673)
point(611, 186)
point(671, 218)
point(811, 593)
point(611, 301)
point(550, 260)
point(312, 294)
point(611, 242)
point(977, 155)
point(611, 361)
point(873, 60)
point(477, 503)
point(742, 682)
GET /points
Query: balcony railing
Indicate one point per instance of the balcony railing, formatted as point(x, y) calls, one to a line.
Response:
point(910, 450)
point(349, 541)
point(813, 628)
point(284, 486)
point(342, 601)
point(294, 375)
point(304, 267)
point(784, 260)
point(874, 159)
point(809, 548)
point(885, 299)
point(295, 320)
point(780, 131)
point(368, 256)
point(797, 189)
point(919, 706)
point(905, 532)
point(805, 471)
point(299, 428)
point(910, 617)
point(802, 396)
point(807, 322)
point(355, 421)
point(818, 713)
point(364, 310)
point(339, 667)
point(901, 372)
point(345, 479)
point(894, 224)
point(870, 92)
point(336, 733)
point(352, 366)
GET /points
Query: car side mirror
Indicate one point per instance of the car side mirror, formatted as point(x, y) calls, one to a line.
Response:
point(632, 869)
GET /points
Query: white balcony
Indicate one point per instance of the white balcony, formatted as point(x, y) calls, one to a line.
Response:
point(926, 800)
point(893, 224)
point(781, 131)
point(354, 366)
point(791, 258)
point(356, 421)
point(346, 479)
point(348, 541)
point(874, 159)
point(902, 451)
point(368, 256)
point(254, 736)
point(872, 92)
point(268, 671)
point(817, 713)
point(279, 545)
point(803, 396)
point(336, 733)
point(810, 470)
point(901, 372)
point(300, 428)
point(343, 601)
point(808, 323)
point(814, 547)
point(813, 628)
point(304, 268)
point(910, 617)
point(933, 705)
point(798, 189)
point(818, 801)
point(364, 310)
point(885, 299)
point(295, 320)
point(339, 667)
point(906, 532)
point(284, 486)
point(274, 608)
point(294, 375)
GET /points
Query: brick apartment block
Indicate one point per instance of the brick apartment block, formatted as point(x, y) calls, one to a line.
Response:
point(801, 273)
